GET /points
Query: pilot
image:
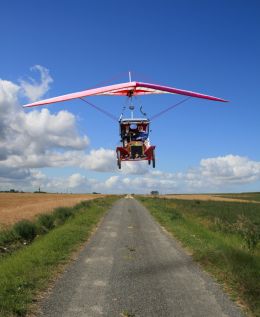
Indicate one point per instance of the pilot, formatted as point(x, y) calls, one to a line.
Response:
point(142, 134)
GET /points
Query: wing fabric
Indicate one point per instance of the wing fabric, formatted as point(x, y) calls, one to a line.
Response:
point(125, 89)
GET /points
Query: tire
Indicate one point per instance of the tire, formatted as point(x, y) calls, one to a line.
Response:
point(149, 162)
point(153, 159)
point(118, 160)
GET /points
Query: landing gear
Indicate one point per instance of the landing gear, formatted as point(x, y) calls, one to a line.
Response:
point(118, 160)
point(153, 159)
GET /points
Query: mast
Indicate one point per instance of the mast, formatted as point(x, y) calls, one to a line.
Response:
point(131, 106)
point(130, 76)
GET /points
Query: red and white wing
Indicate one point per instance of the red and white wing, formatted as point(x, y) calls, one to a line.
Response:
point(125, 89)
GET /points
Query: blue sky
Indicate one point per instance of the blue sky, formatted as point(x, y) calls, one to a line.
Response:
point(205, 46)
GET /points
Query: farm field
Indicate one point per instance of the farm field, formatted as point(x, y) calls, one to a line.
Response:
point(17, 206)
point(248, 197)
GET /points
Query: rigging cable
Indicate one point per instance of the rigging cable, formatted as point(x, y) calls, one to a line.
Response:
point(108, 114)
point(169, 108)
point(124, 108)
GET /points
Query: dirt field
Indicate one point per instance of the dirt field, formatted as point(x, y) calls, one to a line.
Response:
point(207, 197)
point(17, 206)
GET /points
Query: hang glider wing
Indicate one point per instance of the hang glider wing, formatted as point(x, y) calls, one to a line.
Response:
point(125, 89)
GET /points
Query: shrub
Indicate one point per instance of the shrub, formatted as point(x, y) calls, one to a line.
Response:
point(223, 226)
point(249, 231)
point(61, 214)
point(45, 222)
point(85, 203)
point(7, 236)
point(25, 230)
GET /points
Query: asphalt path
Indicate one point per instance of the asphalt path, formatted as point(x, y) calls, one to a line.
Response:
point(131, 267)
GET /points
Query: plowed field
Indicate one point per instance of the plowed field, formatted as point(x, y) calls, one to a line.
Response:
point(17, 206)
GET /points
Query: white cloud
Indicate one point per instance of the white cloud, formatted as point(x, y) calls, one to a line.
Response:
point(213, 174)
point(102, 160)
point(220, 173)
point(231, 169)
point(135, 168)
point(37, 138)
point(8, 95)
point(112, 182)
point(34, 90)
point(76, 180)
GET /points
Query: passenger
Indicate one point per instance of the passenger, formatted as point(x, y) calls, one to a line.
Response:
point(142, 134)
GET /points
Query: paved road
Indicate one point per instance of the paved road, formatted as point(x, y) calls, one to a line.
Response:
point(131, 267)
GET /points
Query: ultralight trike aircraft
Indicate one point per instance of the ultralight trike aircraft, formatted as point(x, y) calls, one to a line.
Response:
point(135, 143)
point(134, 132)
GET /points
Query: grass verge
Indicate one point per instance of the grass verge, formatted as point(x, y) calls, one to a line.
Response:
point(210, 230)
point(27, 271)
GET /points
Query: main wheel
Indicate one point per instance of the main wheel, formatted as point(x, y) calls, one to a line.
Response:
point(149, 162)
point(118, 160)
point(153, 159)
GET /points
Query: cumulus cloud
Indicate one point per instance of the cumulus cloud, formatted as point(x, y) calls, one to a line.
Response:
point(102, 160)
point(37, 138)
point(33, 89)
point(112, 182)
point(230, 169)
point(76, 180)
point(136, 168)
point(8, 95)
point(212, 174)
point(221, 172)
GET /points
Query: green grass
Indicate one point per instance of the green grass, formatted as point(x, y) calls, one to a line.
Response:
point(212, 232)
point(27, 271)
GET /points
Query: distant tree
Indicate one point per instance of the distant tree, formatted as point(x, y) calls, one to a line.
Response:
point(154, 192)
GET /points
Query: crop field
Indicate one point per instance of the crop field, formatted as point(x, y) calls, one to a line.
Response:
point(244, 196)
point(17, 206)
point(249, 197)
point(223, 236)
